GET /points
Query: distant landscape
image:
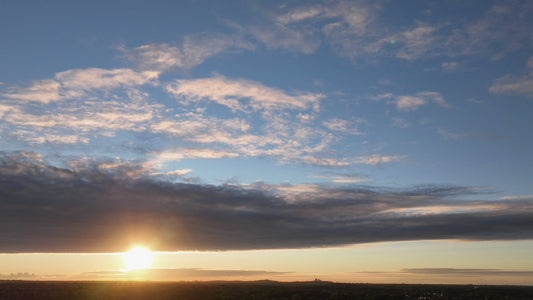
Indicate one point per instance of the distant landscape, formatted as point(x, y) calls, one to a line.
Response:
point(265, 289)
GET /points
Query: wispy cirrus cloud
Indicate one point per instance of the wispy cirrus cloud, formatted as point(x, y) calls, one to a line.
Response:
point(355, 30)
point(376, 159)
point(467, 272)
point(113, 209)
point(521, 85)
point(177, 274)
point(304, 28)
point(351, 179)
point(183, 153)
point(241, 94)
point(194, 50)
point(78, 83)
point(342, 126)
point(81, 120)
point(412, 102)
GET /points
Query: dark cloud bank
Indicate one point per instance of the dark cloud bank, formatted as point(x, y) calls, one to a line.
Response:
point(49, 209)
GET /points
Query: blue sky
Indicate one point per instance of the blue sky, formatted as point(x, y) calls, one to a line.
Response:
point(412, 109)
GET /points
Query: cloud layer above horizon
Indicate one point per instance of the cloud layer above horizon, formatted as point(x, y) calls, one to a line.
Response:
point(96, 208)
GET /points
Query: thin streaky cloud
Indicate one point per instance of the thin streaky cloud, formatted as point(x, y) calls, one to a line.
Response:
point(376, 159)
point(467, 272)
point(77, 83)
point(233, 93)
point(519, 85)
point(194, 50)
point(413, 102)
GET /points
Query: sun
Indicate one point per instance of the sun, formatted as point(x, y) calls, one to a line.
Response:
point(138, 258)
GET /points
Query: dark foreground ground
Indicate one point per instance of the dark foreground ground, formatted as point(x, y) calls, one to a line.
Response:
point(251, 290)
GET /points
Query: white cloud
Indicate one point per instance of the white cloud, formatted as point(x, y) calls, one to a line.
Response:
point(417, 42)
point(180, 172)
point(5, 109)
point(77, 121)
point(382, 96)
point(44, 91)
point(235, 93)
point(194, 50)
point(408, 103)
point(342, 126)
point(379, 159)
point(517, 197)
point(323, 161)
point(350, 179)
point(78, 82)
point(58, 139)
point(191, 153)
point(513, 85)
point(522, 85)
point(103, 79)
point(413, 102)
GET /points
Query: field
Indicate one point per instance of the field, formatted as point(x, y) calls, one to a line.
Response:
point(13, 289)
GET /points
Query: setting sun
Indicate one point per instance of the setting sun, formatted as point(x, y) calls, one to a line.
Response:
point(138, 258)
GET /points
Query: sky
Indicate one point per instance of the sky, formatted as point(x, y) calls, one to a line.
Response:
point(353, 141)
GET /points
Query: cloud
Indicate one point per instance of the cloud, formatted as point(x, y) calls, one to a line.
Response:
point(44, 91)
point(467, 272)
point(518, 197)
point(77, 121)
point(180, 172)
point(413, 102)
point(342, 126)
point(379, 159)
point(18, 276)
point(521, 85)
point(450, 66)
point(304, 28)
point(503, 29)
point(354, 29)
point(89, 209)
point(177, 274)
point(53, 138)
point(408, 103)
point(350, 179)
point(77, 83)
point(190, 153)
point(417, 43)
point(194, 50)
point(234, 94)
point(204, 129)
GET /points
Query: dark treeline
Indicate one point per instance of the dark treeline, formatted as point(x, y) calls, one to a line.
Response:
point(256, 290)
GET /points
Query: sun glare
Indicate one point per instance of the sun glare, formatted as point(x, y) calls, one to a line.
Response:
point(138, 258)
